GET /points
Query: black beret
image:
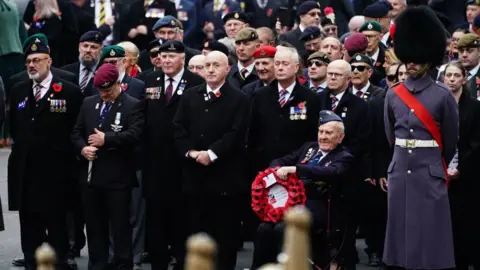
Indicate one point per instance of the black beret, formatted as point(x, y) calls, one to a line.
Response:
point(310, 33)
point(92, 36)
point(174, 46)
point(305, 7)
point(328, 116)
point(155, 43)
point(473, 2)
point(216, 46)
point(361, 58)
point(36, 46)
point(105, 76)
point(378, 9)
point(419, 36)
point(326, 21)
point(239, 16)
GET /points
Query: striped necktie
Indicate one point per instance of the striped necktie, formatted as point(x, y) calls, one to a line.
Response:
point(85, 79)
point(102, 13)
point(359, 93)
point(38, 92)
point(334, 102)
point(243, 73)
point(283, 97)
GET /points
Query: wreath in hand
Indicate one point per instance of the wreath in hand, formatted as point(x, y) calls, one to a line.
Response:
point(263, 202)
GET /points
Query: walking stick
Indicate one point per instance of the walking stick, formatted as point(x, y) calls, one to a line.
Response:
point(297, 238)
point(201, 252)
point(45, 256)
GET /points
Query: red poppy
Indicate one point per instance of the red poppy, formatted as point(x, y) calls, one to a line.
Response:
point(301, 105)
point(378, 64)
point(477, 81)
point(218, 94)
point(124, 86)
point(57, 87)
point(328, 11)
point(269, 12)
point(393, 27)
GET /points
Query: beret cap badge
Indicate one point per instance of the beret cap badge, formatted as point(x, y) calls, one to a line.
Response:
point(370, 26)
point(172, 47)
point(358, 58)
point(236, 16)
point(34, 47)
point(262, 52)
point(172, 22)
point(112, 53)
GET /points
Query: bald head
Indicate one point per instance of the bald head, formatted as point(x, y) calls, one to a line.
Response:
point(355, 23)
point(216, 69)
point(338, 76)
point(197, 65)
point(343, 65)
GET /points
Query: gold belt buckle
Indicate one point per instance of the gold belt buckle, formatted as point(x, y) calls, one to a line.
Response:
point(410, 143)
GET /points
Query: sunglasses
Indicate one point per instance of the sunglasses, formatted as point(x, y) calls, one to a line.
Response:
point(154, 54)
point(330, 29)
point(359, 68)
point(391, 78)
point(316, 63)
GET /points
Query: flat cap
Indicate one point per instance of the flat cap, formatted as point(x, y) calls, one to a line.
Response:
point(370, 26)
point(33, 38)
point(105, 76)
point(311, 32)
point(378, 9)
point(361, 58)
point(216, 46)
point(265, 52)
point(36, 45)
point(92, 36)
point(173, 46)
point(319, 56)
point(167, 21)
point(155, 43)
point(328, 116)
point(112, 51)
point(246, 34)
point(306, 6)
point(356, 42)
point(469, 40)
point(239, 16)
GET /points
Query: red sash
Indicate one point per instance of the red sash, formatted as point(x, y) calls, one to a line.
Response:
point(424, 116)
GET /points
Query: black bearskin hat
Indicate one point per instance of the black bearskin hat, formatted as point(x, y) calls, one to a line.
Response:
point(419, 37)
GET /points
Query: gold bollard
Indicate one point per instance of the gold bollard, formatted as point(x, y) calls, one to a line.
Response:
point(201, 252)
point(46, 258)
point(297, 238)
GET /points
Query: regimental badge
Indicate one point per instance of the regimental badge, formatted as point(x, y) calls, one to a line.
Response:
point(112, 53)
point(172, 22)
point(172, 47)
point(262, 53)
point(370, 26)
point(236, 16)
point(358, 58)
point(105, 84)
point(308, 156)
point(34, 47)
point(116, 127)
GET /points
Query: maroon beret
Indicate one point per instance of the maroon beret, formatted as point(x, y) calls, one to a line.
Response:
point(265, 52)
point(105, 76)
point(355, 43)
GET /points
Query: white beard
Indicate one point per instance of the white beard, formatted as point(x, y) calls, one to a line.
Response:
point(34, 77)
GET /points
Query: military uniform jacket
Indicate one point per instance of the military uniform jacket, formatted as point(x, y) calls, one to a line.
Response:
point(163, 163)
point(41, 160)
point(114, 167)
point(219, 124)
point(419, 231)
point(275, 131)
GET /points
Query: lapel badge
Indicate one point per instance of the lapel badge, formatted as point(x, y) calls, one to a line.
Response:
point(158, 78)
point(97, 106)
point(345, 109)
point(124, 86)
point(327, 164)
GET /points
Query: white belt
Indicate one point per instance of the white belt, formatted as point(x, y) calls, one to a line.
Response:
point(411, 143)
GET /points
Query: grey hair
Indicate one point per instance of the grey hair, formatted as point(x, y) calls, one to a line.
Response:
point(294, 54)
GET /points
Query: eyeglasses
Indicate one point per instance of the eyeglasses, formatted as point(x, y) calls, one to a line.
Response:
point(391, 78)
point(359, 68)
point(315, 63)
point(154, 54)
point(330, 29)
point(35, 61)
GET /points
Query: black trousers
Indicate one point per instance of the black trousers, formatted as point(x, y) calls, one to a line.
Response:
point(102, 208)
point(218, 216)
point(268, 243)
point(165, 228)
point(75, 219)
point(34, 224)
point(374, 218)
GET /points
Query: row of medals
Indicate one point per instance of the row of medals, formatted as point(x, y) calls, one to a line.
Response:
point(58, 105)
point(298, 116)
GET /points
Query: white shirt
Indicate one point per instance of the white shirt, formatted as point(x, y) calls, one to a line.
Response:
point(385, 37)
point(176, 80)
point(177, 3)
point(288, 89)
point(259, 3)
point(324, 154)
point(108, 15)
point(363, 90)
point(375, 56)
point(339, 97)
point(45, 85)
point(473, 72)
point(249, 68)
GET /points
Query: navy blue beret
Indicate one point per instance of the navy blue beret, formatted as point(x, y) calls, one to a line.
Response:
point(216, 46)
point(167, 21)
point(240, 16)
point(305, 7)
point(92, 36)
point(378, 9)
point(328, 116)
point(155, 43)
point(310, 33)
point(174, 46)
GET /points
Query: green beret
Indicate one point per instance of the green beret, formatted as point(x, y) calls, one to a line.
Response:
point(112, 51)
point(469, 40)
point(247, 34)
point(35, 39)
point(370, 26)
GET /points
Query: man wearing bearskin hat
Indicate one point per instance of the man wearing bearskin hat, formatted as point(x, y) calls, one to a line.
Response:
point(421, 122)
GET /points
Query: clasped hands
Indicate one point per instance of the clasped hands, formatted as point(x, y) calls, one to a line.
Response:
point(201, 157)
point(95, 140)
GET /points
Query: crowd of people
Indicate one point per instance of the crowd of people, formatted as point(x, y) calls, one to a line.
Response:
point(133, 125)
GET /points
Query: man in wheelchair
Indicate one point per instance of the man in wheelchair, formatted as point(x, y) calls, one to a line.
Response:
point(322, 166)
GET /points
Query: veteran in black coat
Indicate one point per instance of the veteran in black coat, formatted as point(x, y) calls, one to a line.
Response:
point(210, 130)
point(107, 131)
point(162, 171)
point(40, 131)
point(322, 166)
point(23, 76)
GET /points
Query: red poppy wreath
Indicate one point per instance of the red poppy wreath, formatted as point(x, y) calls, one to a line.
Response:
point(272, 196)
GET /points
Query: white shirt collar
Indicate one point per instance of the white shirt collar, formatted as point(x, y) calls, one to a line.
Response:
point(249, 68)
point(473, 71)
point(46, 82)
point(209, 89)
point(121, 76)
point(375, 55)
point(363, 90)
point(322, 85)
point(339, 96)
point(385, 37)
point(177, 77)
point(177, 4)
point(289, 89)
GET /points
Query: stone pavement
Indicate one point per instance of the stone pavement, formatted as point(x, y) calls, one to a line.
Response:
point(10, 238)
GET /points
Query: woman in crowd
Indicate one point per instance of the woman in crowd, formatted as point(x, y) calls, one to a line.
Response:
point(391, 77)
point(131, 56)
point(390, 59)
point(401, 73)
